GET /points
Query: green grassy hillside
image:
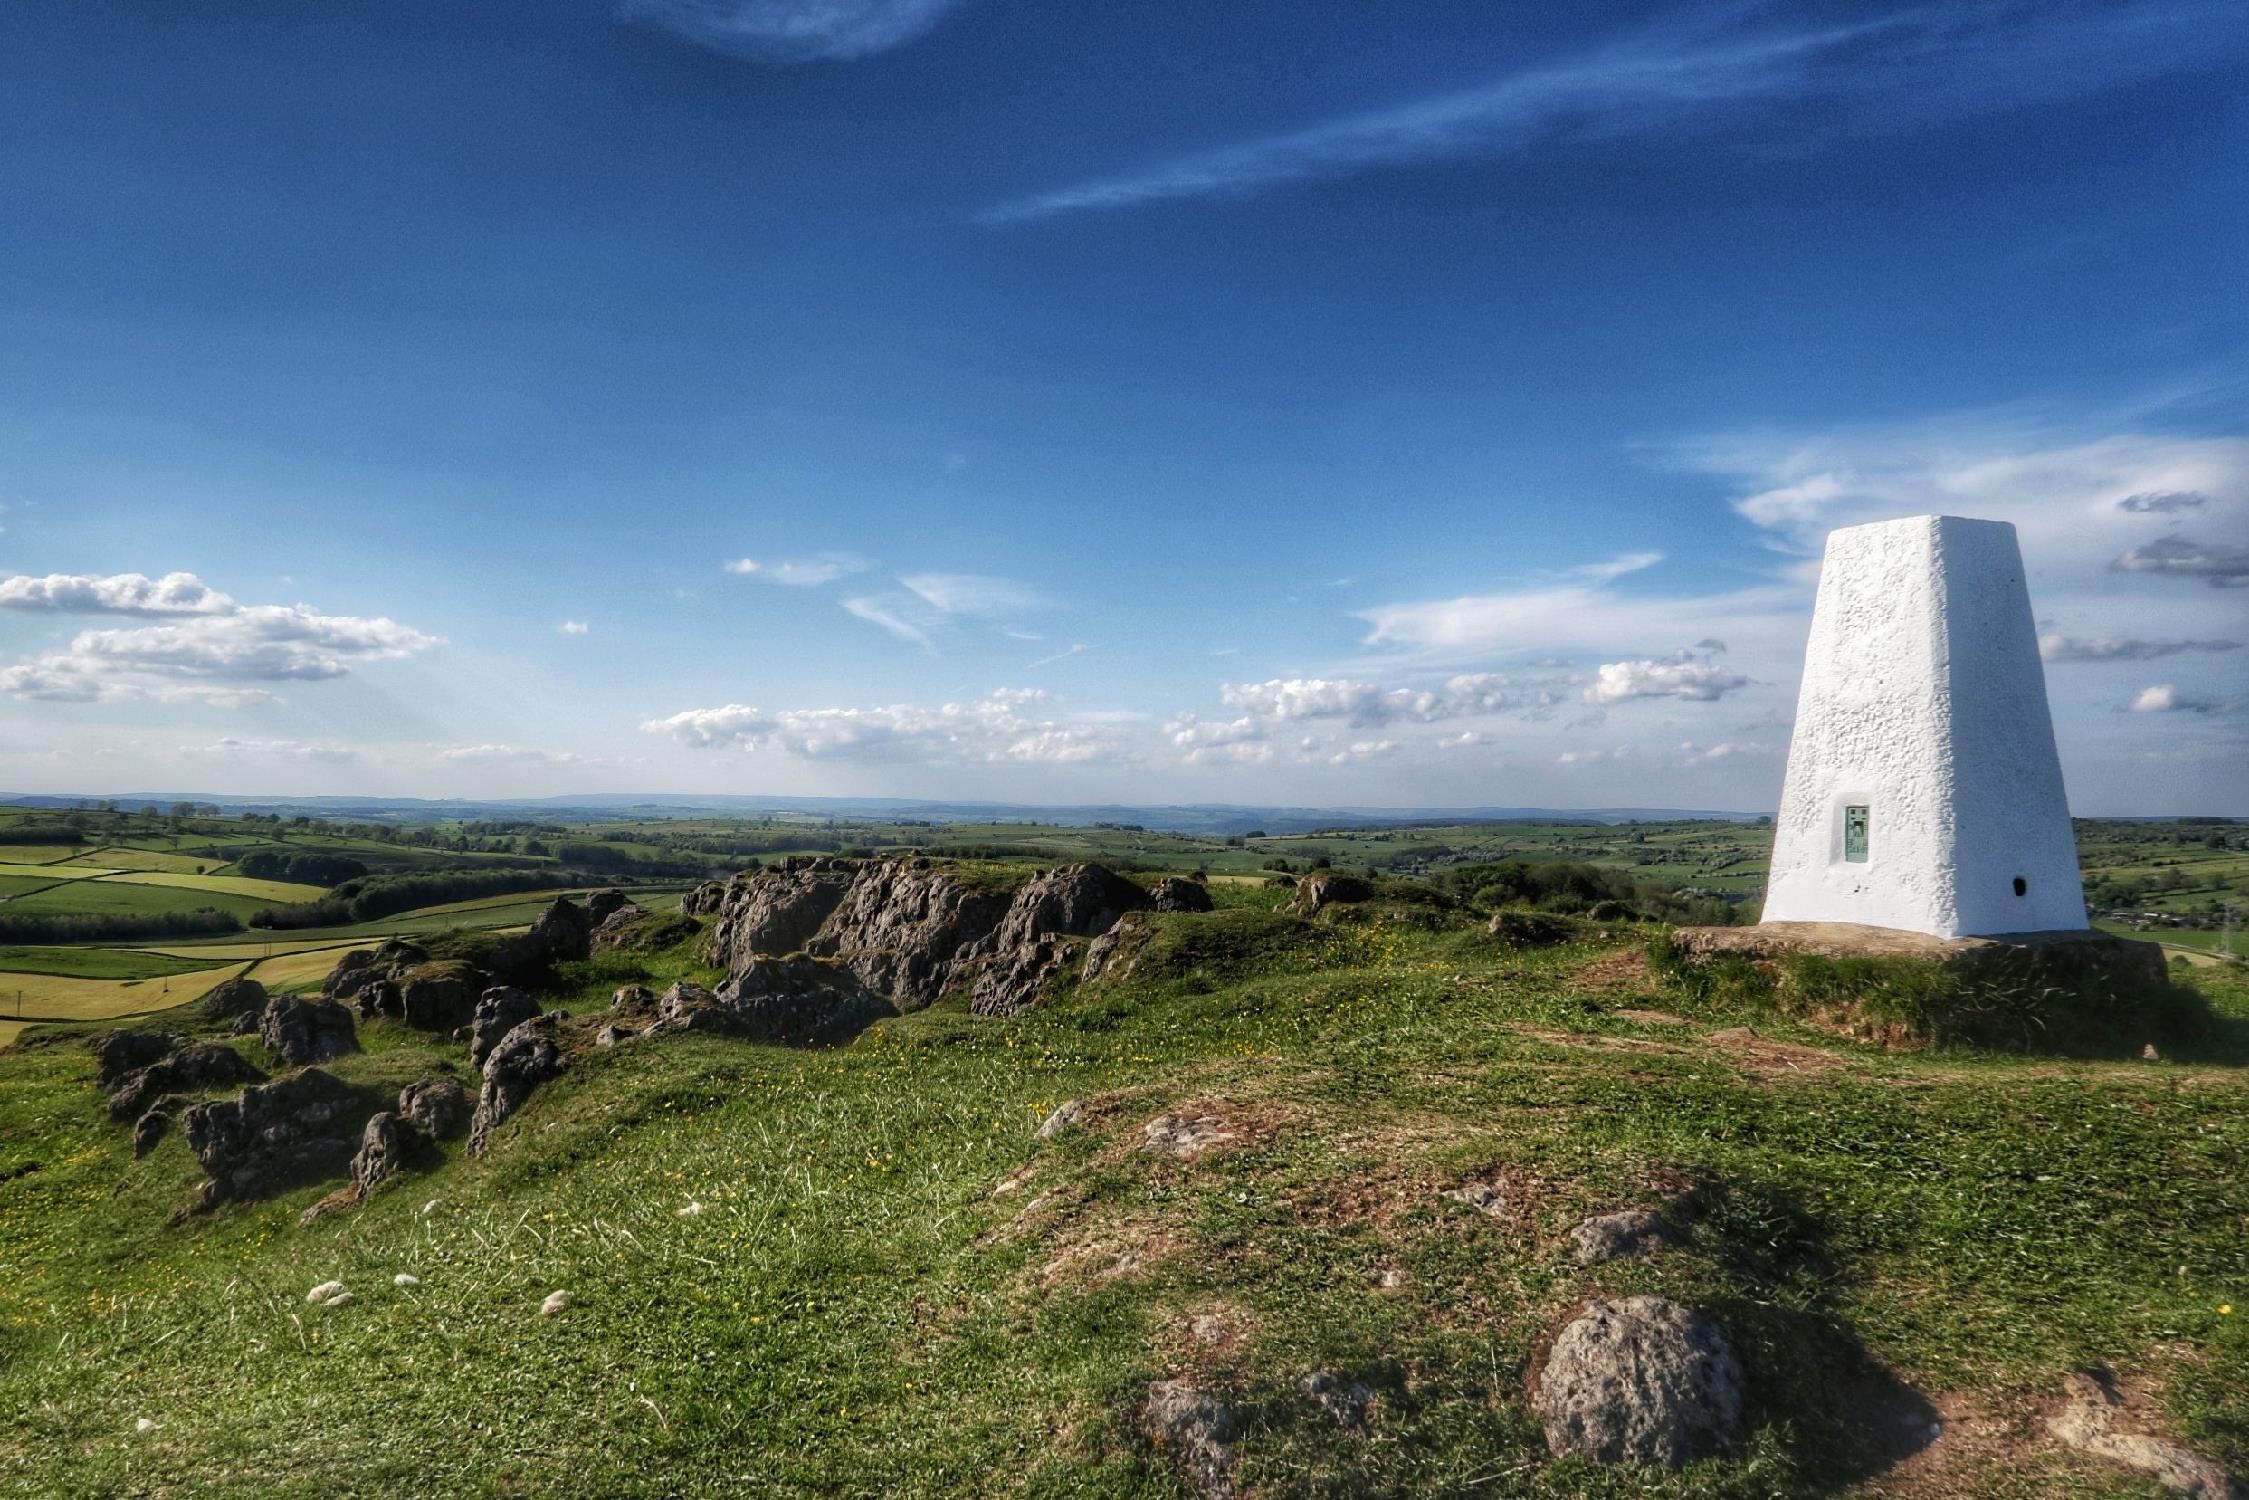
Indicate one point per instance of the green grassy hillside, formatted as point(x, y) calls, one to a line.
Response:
point(860, 1271)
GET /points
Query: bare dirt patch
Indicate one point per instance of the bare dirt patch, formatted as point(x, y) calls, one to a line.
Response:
point(1767, 1060)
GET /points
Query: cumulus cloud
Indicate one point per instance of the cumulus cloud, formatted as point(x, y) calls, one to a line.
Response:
point(1693, 753)
point(801, 572)
point(2166, 698)
point(1008, 725)
point(2061, 648)
point(793, 31)
point(1695, 681)
point(114, 594)
point(205, 646)
point(2163, 502)
point(2226, 566)
point(574, 627)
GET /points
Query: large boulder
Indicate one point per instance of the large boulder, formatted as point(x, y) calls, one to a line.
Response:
point(1023, 955)
point(438, 995)
point(704, 900)
point(190, 1069)
point(229, 998)
point(904, 927)
point(615, 922)
point(563, 933)
point(1317, 892)
point(800, 1001)
point(1174, 894)
point(274, 1136)
point(438, 1107)
point(525, 1058)
point(302, 1031)
point(498, 1011)
point(386, 1145)
point(1641, 1380)
point(1198, 1431)
point(117, 1053)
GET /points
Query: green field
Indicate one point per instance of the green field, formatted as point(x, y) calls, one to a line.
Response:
point(99, 897)
point(99, 963)
point(892, 1287)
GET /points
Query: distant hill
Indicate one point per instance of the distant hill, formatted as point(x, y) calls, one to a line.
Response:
point(1222, 819)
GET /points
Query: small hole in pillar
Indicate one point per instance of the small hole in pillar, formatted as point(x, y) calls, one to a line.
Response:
point(2022, 886)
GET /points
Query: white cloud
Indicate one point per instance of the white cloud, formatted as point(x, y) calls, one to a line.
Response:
point(2226, 566)
point(793, 31)
point(2061, 648)
point(2163, 502)
point(574, 627)
point(1693, 753)
point(975, 595)
point(205, 647)
point(801, 572)
point(2166, 698)
point(1902, 68)
point(283, 749)
point(510, 755)
point(1695, 681)
point(114, 594)
point(878, 611)
point(1007, 725)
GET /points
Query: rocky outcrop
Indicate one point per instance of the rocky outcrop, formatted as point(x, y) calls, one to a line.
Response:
point(188, 1069)
point(365, 978)
point(525, 1058)
point(1173, 894)
point(149, 1130)
point(439, 995)
point(1026, 953)
point(903, 928)
point(230, 998)
point(563, 933)
point(1641, 1380)
point(387, 1143)
point(117, 1053)
point(302, 1031)
point(776, 911)
point(1322, 889)
point(704, 900)
point(274, 1135)
point(437, 1107)
point(1625, 1235)
point(498, 1011)
point(615, 917)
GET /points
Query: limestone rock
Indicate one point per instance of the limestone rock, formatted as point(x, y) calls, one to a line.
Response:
point(190, 1069)
point(274, 1135)
point(1641, 1380)
point(499, 1010)
point(1199, 1433)
point(232, 997)
point(1342, 1398)
point(438, 995)
point(776, 911)
point(1174, 894)
point(1066, 1115)
point(148, 1130)
point(1026, 954)
point(302, 1030)
point(2089, 1419)
point(117, 1053)
point(563, 933)
point(1626, 1235)
point(704, 900)
point(903, 928)
point(437, 1107)
point(1322, 889)
point(385, 1146)
point(525, 1058)
point(1187, 1136)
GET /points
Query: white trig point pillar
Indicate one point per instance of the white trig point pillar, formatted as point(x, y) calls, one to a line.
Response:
point(1923, 790)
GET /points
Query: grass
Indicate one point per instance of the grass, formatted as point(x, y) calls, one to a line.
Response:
point(46, 873)
point(123, 857)
point(855, 1310)
point(40, 854)
point(97, 963)
point(132, 897)
point(53, 997)
point(266, 891)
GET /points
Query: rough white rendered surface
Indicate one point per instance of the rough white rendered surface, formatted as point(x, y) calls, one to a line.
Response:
point(1925, 703)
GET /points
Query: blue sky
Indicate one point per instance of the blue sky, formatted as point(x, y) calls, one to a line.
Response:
point(1432, 403)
